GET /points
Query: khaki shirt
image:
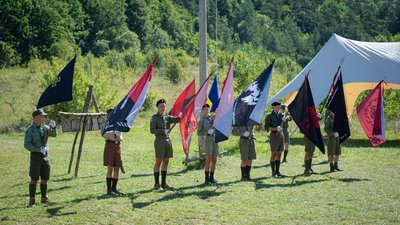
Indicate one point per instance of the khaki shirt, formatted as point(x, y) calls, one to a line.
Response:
point(159, 123)
point(273, 120)
point(204, 125)
point(329, 125)
point(35, 136)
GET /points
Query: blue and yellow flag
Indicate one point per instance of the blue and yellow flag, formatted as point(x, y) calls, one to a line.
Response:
point(213, 95)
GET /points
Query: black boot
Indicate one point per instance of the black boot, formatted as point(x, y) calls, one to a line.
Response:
point(207, 177)
point(157, 181)
point(273, 168)
point(243, 169)
point(32, 192)
point(212, 180)
point(309, 165)
point(332, 167)
point(108, 182)
point(336, 166)
point(248, 168)
point(164, 184)
point(306, 168)
point(285, 153)
point(43, 191)
point(114, 186)
point(277, 164)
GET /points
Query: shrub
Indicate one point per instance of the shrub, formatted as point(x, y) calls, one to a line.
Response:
point(174, 72)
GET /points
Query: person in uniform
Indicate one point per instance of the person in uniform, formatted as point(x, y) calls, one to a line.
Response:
point(112, 158)
point(273, 123)
point(36, 142)
point(285, 126)
point(206, 130)
point(247, 149)
point(309, 149)
point(334, 150)
point(160, 126)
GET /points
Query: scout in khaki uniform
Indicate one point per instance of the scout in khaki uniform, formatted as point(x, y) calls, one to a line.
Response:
point(160, 126)
point(273, 123)
point(334, 150)
point(247, 149)
point(205, 129)
point(309, 149)
point(112, 158)
point(285, 126)
point(36, 142)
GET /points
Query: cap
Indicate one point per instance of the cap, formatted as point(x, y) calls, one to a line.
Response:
point(275, 103)
point(205, 106)
point(160, 102)
point(38, 112)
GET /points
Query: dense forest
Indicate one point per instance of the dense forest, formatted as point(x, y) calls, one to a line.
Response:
point(116, 40)
point(296, 29)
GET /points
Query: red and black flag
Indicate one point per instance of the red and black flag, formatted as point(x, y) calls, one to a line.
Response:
point(61, 89)
point(183, 99)
point(337, 104)
point(303, 111)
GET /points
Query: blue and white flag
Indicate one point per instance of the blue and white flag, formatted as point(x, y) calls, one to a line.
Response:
point(223, 115)
point(249, 107)
point(122, 116)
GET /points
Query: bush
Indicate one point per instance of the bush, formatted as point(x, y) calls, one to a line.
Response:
point(174, 72)
point(8, 56)
point(115, 59)
point(149, 102)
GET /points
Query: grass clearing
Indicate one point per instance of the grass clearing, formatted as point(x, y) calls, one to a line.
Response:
point(366, 192)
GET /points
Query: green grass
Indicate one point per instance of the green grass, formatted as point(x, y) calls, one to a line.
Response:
point(366, 192)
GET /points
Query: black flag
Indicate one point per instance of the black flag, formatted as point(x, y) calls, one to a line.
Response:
point(61, 89)
point(302, 109)
point(337, 104)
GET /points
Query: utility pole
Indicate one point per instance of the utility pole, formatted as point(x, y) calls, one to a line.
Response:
point(203, 40)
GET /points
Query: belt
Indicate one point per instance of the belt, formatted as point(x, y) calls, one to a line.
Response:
point(248, 138)
point(113, 142)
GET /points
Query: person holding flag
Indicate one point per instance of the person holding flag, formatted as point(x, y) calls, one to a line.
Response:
point(247, 149)
point(285, 125)
point(309, 149)
point(334, 150)
point(206, 130)
point(36, 142)
point(112, 158)
point(160, 126)
point(273, 123)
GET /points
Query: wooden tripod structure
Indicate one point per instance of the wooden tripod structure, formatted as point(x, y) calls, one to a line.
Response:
point(85, 115)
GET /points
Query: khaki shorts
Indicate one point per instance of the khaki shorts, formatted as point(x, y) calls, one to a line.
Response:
point(286, 138)
point(112, 155)
point(39, 167)
point(247, 149)
point(163, 148)
point(211, 148)
point(276, 141)
point(334, 146)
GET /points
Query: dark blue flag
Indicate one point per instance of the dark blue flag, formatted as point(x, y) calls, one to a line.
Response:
point(122, 116)
point(61, 89)
point(303, 111)
point(337, 104)
point(213, 95)
point(249, 107)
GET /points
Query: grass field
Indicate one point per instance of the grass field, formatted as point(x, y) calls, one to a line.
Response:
point(366, 192)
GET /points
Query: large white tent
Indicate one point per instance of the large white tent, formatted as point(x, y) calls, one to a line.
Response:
point(364, 64)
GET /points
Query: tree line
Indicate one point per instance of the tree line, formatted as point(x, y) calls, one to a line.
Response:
point(296, 29)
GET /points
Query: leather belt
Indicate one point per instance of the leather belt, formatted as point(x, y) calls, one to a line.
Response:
point(113, 142)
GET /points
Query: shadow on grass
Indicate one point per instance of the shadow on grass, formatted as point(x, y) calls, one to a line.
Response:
point(188, 168)
point(351, 180)
point(205, 194)
point(353, 143)
point(56, 212)
point(69, 178)
point(59, 189)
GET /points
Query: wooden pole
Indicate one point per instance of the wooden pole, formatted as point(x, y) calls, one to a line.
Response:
point(71, 159)
point(85, 110)
point(203, 40)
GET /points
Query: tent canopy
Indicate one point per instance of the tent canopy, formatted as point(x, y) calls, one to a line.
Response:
point(364, 64)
